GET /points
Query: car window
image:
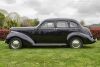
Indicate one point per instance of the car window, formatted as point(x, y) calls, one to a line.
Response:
point(62, 24)
point(48, 25)
point(73, 24)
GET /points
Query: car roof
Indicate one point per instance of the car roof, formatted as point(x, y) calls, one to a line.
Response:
point(60, 19)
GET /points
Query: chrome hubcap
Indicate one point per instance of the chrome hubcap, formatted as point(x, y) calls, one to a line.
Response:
point(15, 44)
point(76, 43)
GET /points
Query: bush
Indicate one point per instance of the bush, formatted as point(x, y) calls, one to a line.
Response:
point(95, 32)
point(3, 33)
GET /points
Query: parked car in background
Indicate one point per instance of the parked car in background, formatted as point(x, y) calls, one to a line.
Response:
point(56, 30)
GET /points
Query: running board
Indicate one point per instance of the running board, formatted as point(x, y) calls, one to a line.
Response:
point(50, 44)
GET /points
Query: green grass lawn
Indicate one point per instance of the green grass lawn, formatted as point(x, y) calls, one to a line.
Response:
point(89, 56)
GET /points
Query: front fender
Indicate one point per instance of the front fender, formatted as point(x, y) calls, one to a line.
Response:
point(20, 35)
point(84, 36)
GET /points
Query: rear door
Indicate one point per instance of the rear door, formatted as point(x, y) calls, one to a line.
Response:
point(62, 30)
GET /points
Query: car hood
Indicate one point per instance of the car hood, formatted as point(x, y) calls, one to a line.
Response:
point(22, 28)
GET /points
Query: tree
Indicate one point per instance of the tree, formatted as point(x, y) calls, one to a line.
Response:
point(4, 12)
point(11, 23)
point(12, 20)
point(34, 22)
point(14, 16)
point(26, 22)
point(82, 23)
point(2, 17)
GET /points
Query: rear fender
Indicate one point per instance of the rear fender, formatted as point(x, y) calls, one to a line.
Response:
point(84, 36)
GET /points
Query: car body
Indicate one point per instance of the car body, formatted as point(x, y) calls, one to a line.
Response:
point(56, 30)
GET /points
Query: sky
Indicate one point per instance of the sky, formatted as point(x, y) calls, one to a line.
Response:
point(87, 10)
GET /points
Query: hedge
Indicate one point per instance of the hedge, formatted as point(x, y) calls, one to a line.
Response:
point(3, 33)
point(95, 33)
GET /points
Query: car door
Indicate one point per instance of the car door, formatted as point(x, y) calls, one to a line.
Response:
point(62, 30)
point(46, 32)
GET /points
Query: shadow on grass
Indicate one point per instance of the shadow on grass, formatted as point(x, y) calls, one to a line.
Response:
point(46, 47)
point(55, 47)
point(88, 47)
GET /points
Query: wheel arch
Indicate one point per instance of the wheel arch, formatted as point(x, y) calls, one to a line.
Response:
point(8, 40)
point(78, 35)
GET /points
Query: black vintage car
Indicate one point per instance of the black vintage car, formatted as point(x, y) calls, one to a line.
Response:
point(57, 30)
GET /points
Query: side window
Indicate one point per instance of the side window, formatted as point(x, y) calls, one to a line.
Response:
point(62, 24)
point(72, 24)
point(48, 25)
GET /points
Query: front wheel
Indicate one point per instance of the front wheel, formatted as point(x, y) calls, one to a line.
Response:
point(76, 43)
point(15, 43)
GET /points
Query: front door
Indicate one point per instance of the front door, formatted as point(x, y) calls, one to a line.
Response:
point(46, 33)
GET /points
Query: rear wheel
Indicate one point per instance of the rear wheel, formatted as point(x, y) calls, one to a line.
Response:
point(15, 43)
point(76, 43)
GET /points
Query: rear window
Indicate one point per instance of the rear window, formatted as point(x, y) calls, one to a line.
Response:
point(62, 24)
point(73, 24)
